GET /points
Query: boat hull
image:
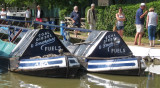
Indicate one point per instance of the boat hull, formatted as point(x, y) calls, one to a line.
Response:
point(62, 66)
point(56, 72)
point(121, 66)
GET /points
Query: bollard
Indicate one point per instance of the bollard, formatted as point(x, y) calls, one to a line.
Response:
point(62, 23)
point(52, 22)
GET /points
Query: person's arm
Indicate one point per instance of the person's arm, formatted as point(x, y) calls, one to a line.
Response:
point(25, 14)
point(124, 19)
point(4, 14)
point(72, 18)
point(80, 18)
point(147, 22)
point(143, 14)
point(30, 14)
point(120, 19)
point(157, 19)
point(88, 16)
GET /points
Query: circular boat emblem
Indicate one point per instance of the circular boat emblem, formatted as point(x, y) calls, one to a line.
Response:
point(117, 40)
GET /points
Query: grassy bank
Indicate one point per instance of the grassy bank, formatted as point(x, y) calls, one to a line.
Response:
point(128, 40)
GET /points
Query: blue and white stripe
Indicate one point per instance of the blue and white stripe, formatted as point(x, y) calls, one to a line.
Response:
point(114, 64)
point(42, 62)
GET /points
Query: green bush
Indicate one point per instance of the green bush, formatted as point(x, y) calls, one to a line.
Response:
point(62, 14)
point(106, 17)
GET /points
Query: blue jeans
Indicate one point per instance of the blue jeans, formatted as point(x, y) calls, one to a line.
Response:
point(120, 27)
point(151, 32)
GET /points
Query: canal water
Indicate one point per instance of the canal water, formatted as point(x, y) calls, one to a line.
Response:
point(151, 79)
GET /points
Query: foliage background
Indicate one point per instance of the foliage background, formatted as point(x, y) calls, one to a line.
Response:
point(106, 17)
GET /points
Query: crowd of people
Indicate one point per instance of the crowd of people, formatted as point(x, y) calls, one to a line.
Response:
point(39, 15)
point(151, 22)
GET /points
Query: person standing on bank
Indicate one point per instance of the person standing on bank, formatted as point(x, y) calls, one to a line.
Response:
point(39, 14)
point(3, 14)
point(140, 23)
point(76, 18)
point(28, 16)
point(151, 24)
point(91, 17)
point(120, 21)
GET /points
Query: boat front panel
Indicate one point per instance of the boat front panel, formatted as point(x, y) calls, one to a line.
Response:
point(42, 63)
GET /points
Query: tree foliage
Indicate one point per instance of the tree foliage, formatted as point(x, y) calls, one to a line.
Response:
point(106, 17)
point(59, 3)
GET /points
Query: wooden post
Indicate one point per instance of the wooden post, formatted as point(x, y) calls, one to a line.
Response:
point(16, 35)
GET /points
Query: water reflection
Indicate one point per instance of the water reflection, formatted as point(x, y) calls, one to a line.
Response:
point(150, 80)
point(4, 82)
point(153, 69)
point(24, 81)
point(109, 83)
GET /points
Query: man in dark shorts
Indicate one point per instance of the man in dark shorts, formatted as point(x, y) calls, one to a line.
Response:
point(76, 18)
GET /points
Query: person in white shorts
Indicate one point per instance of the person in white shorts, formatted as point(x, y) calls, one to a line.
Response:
point(28, 16)
point(140, 23)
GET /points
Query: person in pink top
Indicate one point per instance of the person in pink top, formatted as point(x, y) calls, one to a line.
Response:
point(39, 14)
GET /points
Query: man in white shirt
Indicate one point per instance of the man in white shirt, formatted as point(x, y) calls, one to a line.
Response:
point(28, 16)
point(3, 14)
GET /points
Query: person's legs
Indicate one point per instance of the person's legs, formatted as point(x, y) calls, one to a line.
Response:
point(136, 37)
point(150, 43)
point(118, 32)
point(140, 38)
point(153, 35)
point(141, 30)
point(121, 32)
point(94, 25)
point(90, 26)
point(40, 19)
point(75, 31)
point(28, 24)
point(137, 34)
point(150, 35)
point(37, 19)
point(25, 22)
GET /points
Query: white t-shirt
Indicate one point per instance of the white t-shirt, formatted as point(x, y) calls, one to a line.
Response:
point(4, 13)
point(28, 13)
point(152, 18)
point(8, 13)
point(38, 14)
